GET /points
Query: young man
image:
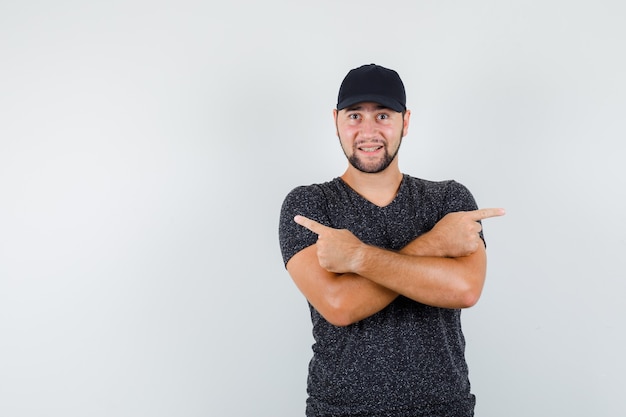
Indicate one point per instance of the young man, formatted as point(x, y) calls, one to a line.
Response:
point(386, 262)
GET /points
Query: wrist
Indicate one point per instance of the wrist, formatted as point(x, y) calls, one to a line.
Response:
point(364, 257)
point(425, 245)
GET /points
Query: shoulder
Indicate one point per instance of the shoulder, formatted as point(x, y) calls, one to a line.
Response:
point(305, 192)
point(307, 200)
point(430, 185)
point(309, 194)
point(450, 193)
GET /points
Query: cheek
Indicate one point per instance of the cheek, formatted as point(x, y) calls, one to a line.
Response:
point(346, 131)
point(391, 132)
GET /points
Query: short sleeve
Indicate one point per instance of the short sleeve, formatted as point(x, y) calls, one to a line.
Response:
point(308, 201)
point(459, 198)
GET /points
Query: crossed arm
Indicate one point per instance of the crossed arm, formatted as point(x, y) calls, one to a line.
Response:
point(347, 280)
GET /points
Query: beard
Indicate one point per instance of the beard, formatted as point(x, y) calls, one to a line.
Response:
point(372, 167)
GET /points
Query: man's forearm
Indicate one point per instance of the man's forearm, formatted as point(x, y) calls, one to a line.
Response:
point(437, 281)
point(364, 300)
point(352, 298)
point(347, 280)
point(342, 299)
point(355, 298)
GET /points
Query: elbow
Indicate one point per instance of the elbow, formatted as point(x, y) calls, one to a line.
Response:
point(469, 286)
point(469, 296)
point(470, 299)
point(337, 311)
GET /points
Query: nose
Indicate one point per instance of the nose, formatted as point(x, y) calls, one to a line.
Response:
point(369, 127)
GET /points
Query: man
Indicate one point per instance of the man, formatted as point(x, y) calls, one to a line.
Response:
point(386, 262)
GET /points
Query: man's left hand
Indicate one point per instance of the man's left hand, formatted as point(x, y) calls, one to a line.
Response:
point(337, 249)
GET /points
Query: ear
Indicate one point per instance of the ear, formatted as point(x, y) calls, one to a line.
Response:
point(405, 128)
point(335, 114)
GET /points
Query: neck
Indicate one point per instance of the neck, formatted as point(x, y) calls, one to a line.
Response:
point(379, 188)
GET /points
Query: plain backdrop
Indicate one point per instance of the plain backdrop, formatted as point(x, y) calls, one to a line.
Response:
point(146, 148)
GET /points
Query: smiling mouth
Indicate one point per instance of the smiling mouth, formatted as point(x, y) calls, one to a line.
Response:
point(370, 148)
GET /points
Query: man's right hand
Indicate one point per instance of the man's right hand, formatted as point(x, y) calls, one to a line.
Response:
point(455, 235)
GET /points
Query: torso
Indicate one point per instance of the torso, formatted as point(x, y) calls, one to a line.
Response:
point(406, 356)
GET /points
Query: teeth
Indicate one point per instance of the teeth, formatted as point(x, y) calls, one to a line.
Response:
point(372, 149)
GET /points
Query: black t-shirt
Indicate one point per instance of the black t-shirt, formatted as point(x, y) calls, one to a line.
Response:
point(408, 359)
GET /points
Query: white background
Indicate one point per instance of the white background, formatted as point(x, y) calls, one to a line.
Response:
point(146, 147)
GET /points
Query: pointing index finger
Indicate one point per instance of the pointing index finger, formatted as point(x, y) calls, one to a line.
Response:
point(312, 225)
point(486, 213)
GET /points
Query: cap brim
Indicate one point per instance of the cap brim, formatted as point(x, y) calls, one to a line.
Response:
point(382, 100)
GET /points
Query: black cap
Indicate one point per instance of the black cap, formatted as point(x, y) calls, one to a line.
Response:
point(372, 83)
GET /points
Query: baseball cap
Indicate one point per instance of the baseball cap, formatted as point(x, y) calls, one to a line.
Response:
point(372, 83)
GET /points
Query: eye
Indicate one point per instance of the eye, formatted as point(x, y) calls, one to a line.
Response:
point(383, 116)
point(353, 116)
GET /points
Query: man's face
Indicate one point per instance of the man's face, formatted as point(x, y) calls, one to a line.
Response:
point(370, 135)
